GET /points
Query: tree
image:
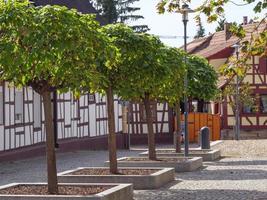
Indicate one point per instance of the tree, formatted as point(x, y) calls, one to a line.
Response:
point(201, 77)
point(140, 72)
point(173, 89)
point(221, 23)
point(126, 13)
point(120, 11)
point(49, 48)
point(200, 31)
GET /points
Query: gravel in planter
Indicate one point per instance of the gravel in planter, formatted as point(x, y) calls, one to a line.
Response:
point(62, 190)
point(142, 178)
point(72, 191)
point(180, 164)
point(101, 171)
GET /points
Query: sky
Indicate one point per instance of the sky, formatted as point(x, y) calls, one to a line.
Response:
point(170, 24)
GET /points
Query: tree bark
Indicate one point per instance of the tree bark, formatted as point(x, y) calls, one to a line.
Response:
point(151, 136)
point(50, 145)
point(111, 136)
point(200, 106)
point(177, 134)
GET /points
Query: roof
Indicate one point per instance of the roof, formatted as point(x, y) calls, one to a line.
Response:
point(83, 6)
point(219, 41)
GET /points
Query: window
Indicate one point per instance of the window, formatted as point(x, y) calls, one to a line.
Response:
point(248, 109)
point(263, 103)
point(18, 106)
point(37, 111)
point(91, 98)
point(1, 105)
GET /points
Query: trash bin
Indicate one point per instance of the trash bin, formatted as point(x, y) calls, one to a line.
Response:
point(205, 138)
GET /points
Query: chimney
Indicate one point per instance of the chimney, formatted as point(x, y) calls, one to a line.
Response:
point(227, 32)
point(245, 20)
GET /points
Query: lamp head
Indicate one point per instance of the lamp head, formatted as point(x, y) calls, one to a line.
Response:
point(185, 10)
point(236, 46)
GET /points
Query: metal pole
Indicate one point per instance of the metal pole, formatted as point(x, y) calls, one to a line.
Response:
point(128, 126)
point(237, 118)
point(186, 142)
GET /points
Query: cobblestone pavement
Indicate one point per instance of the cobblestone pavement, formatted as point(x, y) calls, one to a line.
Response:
point(227, 179)
point(239, 177)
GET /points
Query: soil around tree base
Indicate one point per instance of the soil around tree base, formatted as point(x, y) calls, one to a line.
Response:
point(62, 190)
point(120, 172)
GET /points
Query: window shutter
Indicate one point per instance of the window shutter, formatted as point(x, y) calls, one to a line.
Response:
point(263, 65)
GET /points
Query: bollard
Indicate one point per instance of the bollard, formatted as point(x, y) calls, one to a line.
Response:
point(205, 138)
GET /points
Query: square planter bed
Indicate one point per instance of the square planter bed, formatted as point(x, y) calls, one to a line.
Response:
point(72, 191)
point(207, 155)
point(141, 178)
point(180, 164)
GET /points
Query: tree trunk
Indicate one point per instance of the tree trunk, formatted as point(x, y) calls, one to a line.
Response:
point(178, 128)
point(50, 145)
point(200, 106)
point(151, 136)
point(111, 136)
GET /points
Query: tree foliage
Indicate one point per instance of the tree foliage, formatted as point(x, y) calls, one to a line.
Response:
point(120, 11)
point(50, 49)
point(38, 47)
point(200, 30)
point(220, 26)
point(202, 79)
point(172, 89)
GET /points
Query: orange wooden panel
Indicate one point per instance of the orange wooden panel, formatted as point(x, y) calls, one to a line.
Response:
point(191, 127)
point(197, 126)
point(198, 120)
point(216, 127)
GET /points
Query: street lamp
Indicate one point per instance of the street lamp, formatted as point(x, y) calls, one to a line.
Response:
point(237, 118)
point(185, 11)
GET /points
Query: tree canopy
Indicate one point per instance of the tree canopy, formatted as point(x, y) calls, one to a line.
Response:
point(172, 89)
point(202, 78)
point(47, 46)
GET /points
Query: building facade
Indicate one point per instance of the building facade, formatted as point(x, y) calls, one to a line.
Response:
point(218, 48)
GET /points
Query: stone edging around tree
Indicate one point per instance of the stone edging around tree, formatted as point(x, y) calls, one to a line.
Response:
point(116, 192)
point(140, 182)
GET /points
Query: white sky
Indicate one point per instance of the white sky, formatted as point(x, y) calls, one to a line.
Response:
point(171, 23)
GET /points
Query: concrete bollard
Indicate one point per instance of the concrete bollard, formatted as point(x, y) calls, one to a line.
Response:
point(205, 138)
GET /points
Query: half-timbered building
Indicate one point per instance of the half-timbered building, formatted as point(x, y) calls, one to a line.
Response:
point(218, 48)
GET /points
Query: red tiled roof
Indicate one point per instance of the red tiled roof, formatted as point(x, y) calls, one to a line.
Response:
point(221, 40)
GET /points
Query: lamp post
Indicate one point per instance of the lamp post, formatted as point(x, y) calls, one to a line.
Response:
point(237, 118)
point(185, 11)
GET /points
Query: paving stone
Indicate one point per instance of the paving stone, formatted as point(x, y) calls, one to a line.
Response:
point(235, 177)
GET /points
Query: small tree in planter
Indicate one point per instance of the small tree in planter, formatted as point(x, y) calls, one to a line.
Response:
point(172, 91)
point(48, 48)
point(140, 71)
point(202, 80)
